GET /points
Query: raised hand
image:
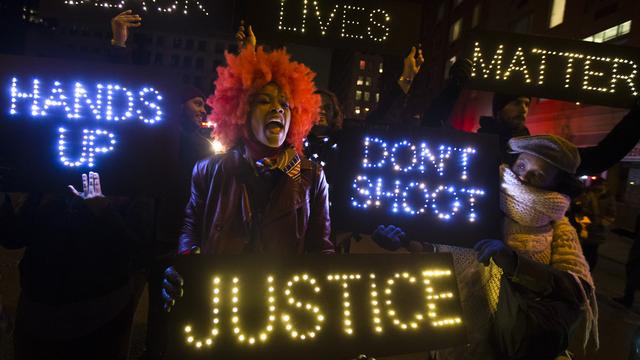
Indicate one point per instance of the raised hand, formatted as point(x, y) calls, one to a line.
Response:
point(412, 64)
point(91, 192)
point(120, 27)
point(245, 39)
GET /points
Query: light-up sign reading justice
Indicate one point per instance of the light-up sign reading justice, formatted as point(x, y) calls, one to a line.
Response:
point(555, 68)
point(441, 182)
point(259, 306)
point(61, 118)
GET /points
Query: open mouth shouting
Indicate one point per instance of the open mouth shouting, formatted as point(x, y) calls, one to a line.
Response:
point(274, 127)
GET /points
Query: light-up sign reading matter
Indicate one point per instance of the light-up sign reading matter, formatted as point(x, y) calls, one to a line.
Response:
point(62, 118)
point(555, 68)
point(316, 306)
point(440, 182)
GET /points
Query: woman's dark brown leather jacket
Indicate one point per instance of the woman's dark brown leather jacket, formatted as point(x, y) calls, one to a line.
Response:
point(219, 218)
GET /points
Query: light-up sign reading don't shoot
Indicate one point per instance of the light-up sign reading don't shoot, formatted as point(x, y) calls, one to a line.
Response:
point(441, 182)
point(315, 306)
point(61, 118)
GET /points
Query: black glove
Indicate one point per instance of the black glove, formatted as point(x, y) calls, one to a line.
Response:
point(460, 71)
point(501, 254)
point(171, 288)
point(389, 237)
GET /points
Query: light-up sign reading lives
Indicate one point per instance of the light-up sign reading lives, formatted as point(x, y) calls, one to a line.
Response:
point(184, 7)
point(555, 68)
point(388, 26)
point(83, 105)
point(317, 306)
point(376, 23)
point(441, 183)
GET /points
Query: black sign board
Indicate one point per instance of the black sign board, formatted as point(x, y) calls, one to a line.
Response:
point(440, 186)
point(592, 73)
point(61, 118)
point(314, 306)
point(383, 26)
point(195, 17)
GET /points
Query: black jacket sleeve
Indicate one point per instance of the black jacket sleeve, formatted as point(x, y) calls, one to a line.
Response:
point(440, 109)
point(622, 138)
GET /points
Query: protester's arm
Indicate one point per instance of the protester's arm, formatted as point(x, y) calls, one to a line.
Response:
point(535, 276)
point(120, 24)
point(319, 229)
point(395, 94)
point(440, 109)
point(191, 229)
point(245, 39)
point(615, 146)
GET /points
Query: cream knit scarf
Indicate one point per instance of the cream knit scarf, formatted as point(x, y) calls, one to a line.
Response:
point(535, 227)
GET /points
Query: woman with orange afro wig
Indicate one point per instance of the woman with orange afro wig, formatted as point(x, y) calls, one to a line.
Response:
point(261, 195)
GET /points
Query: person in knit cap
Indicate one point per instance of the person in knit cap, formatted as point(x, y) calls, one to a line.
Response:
point(261, 196)
point(523, 296)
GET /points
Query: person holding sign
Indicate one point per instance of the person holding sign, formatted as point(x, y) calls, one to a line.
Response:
point(261, 195)
point(78, 273)
point(535, 285)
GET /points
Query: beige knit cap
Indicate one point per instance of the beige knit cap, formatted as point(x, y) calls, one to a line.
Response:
point(557, 151)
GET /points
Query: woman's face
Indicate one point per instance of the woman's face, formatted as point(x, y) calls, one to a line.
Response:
point(327, 112)
point(270, 116)
point(535, 171)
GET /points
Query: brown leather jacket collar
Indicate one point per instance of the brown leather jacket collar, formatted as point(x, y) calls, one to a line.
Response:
point(218, 216)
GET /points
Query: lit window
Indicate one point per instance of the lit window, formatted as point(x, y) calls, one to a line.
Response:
point(475, 20)
point(360, 80)
point(366, 96)
point(366, 109)
point(610, 33)
point(557, 13)
point(380, 69)
point(377, 97)
point(358, 95)
point(363, 64)
point(454, 34)
point(357, 110)
point(368, 81)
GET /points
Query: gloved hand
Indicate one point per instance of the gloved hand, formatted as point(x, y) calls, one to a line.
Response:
point(389, 237)
point(501, 254)
point(460, 71)
point(171, 288)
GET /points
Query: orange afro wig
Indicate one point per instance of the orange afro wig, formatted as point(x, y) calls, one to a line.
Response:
point(247, 73)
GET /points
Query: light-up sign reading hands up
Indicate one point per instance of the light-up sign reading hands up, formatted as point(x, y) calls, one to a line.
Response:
point(443, 183)
point(78, 144)
point(555, 68)
point(315, 306)
point(61, 118)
